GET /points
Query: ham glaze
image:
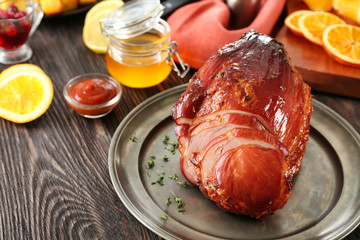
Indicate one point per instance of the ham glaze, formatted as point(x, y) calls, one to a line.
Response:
point(243, 124)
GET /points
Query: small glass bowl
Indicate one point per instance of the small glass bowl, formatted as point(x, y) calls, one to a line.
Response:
point(92, 111)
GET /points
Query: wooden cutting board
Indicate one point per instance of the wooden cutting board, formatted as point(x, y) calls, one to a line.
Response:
point(319, 70)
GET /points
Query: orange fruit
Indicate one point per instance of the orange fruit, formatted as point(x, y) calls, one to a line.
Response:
point(319, 5)
point(51, 7)
point(69, 5)
point(348, 8)
point(292, 21)
point(26, 94)
point(342, 41)
point(313, 24)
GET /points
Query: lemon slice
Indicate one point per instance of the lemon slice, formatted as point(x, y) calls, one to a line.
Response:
point(342, 42)
point(313, 24)
point(25, 95)
point(92, 36)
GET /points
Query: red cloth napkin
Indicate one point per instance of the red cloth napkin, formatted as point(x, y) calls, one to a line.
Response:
point(201, 28)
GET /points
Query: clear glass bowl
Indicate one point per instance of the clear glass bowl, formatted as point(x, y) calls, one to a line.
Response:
point(16, 27)
point(96, 110)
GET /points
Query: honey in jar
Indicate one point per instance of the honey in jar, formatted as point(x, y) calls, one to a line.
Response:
point(140, 51)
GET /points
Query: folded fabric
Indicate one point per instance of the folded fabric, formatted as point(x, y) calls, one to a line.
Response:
point(202, 27)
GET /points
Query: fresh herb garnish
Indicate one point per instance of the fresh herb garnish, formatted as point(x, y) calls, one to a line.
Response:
point(150, 164)
point(168, 201)
point(133, 138)
point(174, 176)
point(180, 203)
point(174, 146)
point(166, 158)
point(165, 139)
point(174, 143)
point(164, 217)
point(159, 180)
point(184, 183)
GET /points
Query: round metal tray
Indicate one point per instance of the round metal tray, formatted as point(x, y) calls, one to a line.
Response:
point(325, 197)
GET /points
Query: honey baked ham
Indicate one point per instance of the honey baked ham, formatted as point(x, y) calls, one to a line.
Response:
point(243, 124)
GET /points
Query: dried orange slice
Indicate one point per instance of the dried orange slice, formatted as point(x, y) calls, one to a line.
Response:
point(313, 24)
point(342, 41)
point(25, 95)
point(292, 21)
point(319, 5)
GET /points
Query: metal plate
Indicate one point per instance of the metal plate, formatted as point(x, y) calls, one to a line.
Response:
point(325, 198)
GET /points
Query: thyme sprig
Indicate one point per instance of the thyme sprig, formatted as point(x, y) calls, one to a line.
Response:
point(181, 204)
point(159, 180)
point(184, 183)
point(133, 138)
point(151, 162)
point(174, 176)
point(164, 217)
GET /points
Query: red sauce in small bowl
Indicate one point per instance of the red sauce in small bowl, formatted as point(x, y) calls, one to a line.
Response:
point(93, 91)
point(92, 95)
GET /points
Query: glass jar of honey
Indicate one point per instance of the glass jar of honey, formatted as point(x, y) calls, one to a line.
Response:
point(140, 52)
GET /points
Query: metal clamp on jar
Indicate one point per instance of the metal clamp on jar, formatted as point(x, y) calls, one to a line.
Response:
point(140, 52)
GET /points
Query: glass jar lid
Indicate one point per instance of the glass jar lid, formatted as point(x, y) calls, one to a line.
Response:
point(132, 19)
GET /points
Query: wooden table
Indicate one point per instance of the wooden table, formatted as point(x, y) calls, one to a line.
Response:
point(54, 179)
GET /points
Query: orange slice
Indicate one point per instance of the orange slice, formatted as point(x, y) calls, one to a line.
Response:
point(313, 24)
point(292, 21)
point(25, 95)
point(342, 42)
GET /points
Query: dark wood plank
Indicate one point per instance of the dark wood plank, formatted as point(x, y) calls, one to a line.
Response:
point(54, 174)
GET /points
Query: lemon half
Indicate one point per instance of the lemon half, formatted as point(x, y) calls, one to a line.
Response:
point(92, 36)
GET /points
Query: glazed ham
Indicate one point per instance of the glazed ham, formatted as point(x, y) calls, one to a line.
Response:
point(243, 124)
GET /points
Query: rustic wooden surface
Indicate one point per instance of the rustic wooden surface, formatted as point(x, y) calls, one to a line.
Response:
point(54, 180)
point(320, 70)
